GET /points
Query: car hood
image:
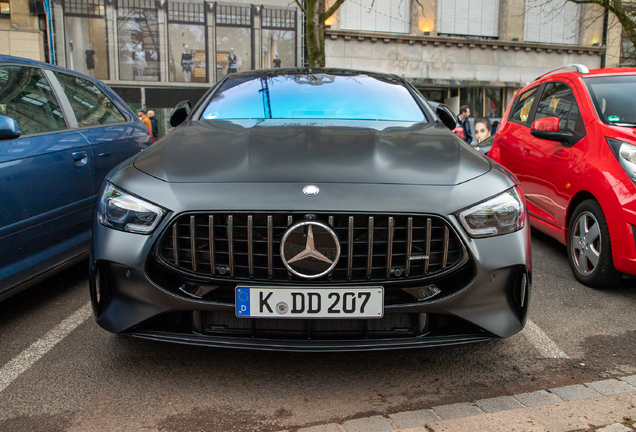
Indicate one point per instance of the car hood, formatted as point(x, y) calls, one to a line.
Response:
point(235, 151)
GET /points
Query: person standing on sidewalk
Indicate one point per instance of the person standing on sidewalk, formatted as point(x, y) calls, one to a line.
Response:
point(145, 120)
point(462, 119)
point(155, 124)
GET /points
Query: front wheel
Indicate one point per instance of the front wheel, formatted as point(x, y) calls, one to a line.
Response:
point(589, 247)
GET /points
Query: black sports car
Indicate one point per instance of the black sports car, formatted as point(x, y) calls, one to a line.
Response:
point(311, 210)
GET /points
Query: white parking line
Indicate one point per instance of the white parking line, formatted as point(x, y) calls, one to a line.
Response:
point(24, 360)
point(541, 342)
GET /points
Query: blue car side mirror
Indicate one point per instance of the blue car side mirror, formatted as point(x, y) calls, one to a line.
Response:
point(9, 128)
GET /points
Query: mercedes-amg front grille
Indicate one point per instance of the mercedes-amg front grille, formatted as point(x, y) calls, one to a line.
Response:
point(374, 247)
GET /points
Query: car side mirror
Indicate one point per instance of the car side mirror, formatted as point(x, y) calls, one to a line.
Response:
point(549, 128)
point(9, 128)
point(446, 116)
point(180, 113)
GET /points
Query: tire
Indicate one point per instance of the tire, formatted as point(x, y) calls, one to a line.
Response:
point(589, 247)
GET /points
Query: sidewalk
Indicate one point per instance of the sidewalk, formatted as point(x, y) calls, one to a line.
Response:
point(602, 406)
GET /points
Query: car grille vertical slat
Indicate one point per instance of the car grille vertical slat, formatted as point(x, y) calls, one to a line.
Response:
point(246, 246)
point(428, 244)
point(389, 254)
point(370, 248)
point(193, 242)
point(350, 249)
point(409, 246)
point(175, 244)
point(270, 247)
point(230, 242)
point(211, 242)
point(446, 240)
point(250, 245)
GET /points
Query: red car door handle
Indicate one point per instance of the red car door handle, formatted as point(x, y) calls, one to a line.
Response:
point(526, 150)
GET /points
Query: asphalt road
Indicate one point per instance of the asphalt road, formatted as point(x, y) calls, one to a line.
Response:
point(91, 380)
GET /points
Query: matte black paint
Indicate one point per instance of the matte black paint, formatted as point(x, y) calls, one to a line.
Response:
point(245, 151)
point(359, 166)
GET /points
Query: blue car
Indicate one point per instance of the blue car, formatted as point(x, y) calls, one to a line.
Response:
point(61, 132)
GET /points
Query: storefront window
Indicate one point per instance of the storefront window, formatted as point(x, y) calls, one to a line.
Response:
point(233, 39)
point(474, 98)
point(138, 40)
point(86, 39)
point(494, 106)
point(5, 9)
point(278, 38)
point(187, 57)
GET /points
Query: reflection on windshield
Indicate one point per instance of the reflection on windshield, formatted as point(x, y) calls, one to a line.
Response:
point(614, 98)
point(313, 96)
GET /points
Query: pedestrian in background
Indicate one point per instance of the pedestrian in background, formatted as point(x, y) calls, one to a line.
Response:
point(495, 125)
point(145, 120)
point(155, 124)
point(462, 119)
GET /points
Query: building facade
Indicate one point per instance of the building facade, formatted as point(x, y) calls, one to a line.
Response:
point(155, 53)
point(474, 52)
point(23, 29)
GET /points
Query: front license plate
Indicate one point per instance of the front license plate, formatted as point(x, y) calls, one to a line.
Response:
point(310, 303)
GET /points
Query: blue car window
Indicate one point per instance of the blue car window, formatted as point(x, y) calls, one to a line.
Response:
point(26, 97)
point(314, 96)
point(90, 105)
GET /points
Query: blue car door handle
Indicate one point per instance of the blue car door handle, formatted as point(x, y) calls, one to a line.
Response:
point(80, 158)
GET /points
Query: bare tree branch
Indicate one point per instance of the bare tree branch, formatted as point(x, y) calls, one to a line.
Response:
point(301, 7)
point(334, 7)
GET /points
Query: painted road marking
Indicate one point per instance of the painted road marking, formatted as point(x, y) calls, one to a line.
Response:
point(20, 364)
point(541, 342)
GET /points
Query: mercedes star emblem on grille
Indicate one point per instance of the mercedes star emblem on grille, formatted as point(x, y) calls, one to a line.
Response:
point(311, 190)
point(310, 249)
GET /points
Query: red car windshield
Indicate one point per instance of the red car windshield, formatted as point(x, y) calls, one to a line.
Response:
point(614, 98)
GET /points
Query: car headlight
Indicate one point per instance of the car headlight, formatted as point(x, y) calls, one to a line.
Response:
point(502, 214)
point(626, 155)
point(122, 211)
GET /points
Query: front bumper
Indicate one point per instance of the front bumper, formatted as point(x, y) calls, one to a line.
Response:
point(489, 298)
point(619, 209)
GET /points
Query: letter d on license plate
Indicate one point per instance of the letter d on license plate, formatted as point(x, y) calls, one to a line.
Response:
point(310, 303)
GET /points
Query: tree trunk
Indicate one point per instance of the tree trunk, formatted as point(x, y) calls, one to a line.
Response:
point(315, 34)
point(316, 15)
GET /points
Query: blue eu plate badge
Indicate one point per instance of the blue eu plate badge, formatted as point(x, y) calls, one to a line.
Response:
point(242, 301)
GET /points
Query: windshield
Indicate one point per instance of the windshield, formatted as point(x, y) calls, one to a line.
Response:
point(614, 98)
point(314, 96)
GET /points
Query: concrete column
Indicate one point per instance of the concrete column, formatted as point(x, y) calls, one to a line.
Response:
point(163, 45)
point(211, 62)
point(113, 51)
point(511, 19)
point(258, 57)
point(60, 36)
point(591, 27)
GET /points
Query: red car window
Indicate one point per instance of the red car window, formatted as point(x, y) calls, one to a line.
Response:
point(521, 112)
point(557, 100)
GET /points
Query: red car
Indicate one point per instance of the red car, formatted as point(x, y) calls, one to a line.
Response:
point(570, 138)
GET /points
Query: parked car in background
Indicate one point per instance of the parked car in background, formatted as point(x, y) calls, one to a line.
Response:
point(570, 138)
point(60, 134)
point(311, 210)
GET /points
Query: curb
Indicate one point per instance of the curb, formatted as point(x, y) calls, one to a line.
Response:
point(571, 408)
